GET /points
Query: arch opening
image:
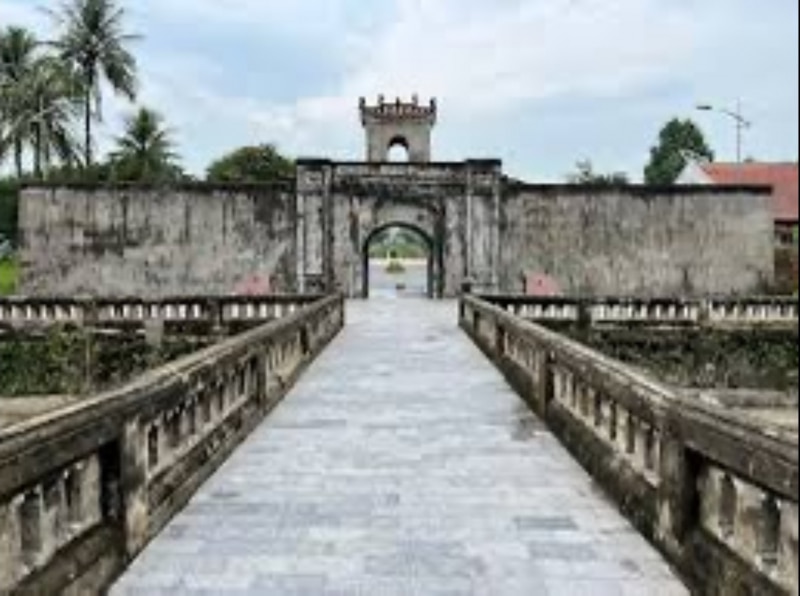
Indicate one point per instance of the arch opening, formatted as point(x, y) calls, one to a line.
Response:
point(399, 262)
point(398, 150)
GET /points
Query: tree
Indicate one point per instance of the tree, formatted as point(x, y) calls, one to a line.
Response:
point(39, 102)
point(586, 175)
point(262, 163)
point(678, 140)
point(53, 95)
point(17, 47)
point(93, 41)
point(145, 152)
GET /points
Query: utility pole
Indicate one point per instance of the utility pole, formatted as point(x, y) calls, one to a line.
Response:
point(741, 122)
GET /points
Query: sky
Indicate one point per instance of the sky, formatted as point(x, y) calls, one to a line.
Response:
point(540, 84)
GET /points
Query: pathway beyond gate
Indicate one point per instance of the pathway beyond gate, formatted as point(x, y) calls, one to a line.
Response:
point(401, 464)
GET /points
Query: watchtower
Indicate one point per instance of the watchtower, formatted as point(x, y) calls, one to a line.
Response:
point(392, 124)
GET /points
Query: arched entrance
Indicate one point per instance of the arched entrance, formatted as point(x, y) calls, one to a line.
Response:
point(400, 259)
point(398, 150)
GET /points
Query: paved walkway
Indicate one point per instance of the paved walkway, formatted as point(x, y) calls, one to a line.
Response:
point(402, 464)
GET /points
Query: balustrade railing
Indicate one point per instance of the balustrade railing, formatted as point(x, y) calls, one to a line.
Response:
point(84, 488)
point(715, 491)
point(661, 311)
point(20, 312)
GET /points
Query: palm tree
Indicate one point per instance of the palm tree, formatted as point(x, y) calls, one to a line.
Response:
point(145, 152)
point(55, 97)
point(17, 47)
point(94, 42)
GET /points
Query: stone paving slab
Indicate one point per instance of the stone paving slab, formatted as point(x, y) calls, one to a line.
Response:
point(401, 464)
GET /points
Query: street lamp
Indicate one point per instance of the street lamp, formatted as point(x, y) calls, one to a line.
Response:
point(742, 123)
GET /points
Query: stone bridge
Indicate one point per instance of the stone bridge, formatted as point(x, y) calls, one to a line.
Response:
point(575, 472)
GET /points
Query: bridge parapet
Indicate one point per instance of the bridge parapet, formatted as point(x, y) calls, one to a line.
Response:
point(83, 489)
point(716, 491)
point(654, 311)
point(22, 312)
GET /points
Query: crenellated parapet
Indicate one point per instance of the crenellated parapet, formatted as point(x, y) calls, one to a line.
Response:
point(392, 111)
point(399, 123)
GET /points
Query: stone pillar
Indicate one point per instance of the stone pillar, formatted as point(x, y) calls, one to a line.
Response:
point(678, 496)
point(314, 225)
point(134, 480)
point(484, 212)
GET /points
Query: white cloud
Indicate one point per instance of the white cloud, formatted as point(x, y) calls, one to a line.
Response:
point(21, 14)
point(486, 60)
point(477, 57)
point(492, 55)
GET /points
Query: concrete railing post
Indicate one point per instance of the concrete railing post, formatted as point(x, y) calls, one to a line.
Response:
point(216, 316)
point(548, 382)
point(585, 321)
point(500, 340)
point(678, 497)
point(134, 482)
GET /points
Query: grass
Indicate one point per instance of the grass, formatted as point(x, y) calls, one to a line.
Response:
point(9, 272)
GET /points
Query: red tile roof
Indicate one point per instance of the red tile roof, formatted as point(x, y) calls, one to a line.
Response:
point(782, 177)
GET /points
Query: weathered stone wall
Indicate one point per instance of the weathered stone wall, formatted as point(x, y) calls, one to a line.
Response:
point(311, 236)
point(638, 240)
point(157, 241)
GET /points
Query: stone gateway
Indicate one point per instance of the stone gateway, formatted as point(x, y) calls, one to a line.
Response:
point(313, 233)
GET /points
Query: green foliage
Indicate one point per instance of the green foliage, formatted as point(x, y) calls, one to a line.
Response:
point(48, 366)
point(398, 243)
point(17, 47)
point(40, 97)
point(70, 361)
point(259, 164)
point(145, 152)
point(678, 139)
point(45, 88)
point(93, 42)
point(586, 175)
point(9, 272)
point(97, 173)
point(704, 359)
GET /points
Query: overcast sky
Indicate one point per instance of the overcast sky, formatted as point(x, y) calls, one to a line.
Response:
point(538, 83)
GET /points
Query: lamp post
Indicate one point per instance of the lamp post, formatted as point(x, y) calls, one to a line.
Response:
point(742, 123)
